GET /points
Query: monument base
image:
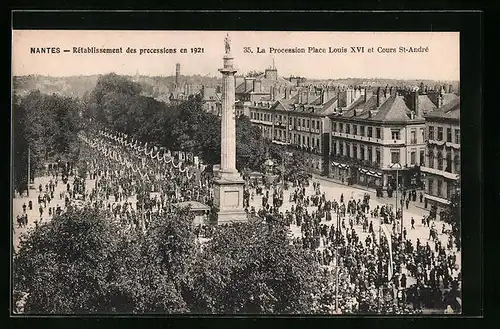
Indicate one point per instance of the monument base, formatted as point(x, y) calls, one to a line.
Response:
point(228, 192)
point(231, 217)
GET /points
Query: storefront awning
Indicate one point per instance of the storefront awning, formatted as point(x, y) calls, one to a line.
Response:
point(340, 165)
point(441, 173)
point(436, 198)
point(370, 172)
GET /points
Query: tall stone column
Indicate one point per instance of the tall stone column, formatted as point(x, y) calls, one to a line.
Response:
point(228, 123)
point(228, 187)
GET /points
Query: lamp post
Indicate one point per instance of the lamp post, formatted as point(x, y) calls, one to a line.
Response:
point(337, 238)
point(398, 166)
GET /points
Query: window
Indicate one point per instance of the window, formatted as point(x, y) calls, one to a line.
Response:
point(334, 127)
point(308, 142)
point(370, 154)
point(456, 164)
point(448, 163)
point(422, 157)
point(377, 131)
point(348, 128)
point(317, 143)
point(395, 156)
point(413, 136)
point(317, 124)
point(395, 135)
point(334, 146)
point(303, 140)
point(413, 158)
point(341, 127)
point(448, 190)
point(431, 159)
point(348, 150)
point(448, 135)
point(362, 130)
point(440, 134)
point(430, 187)
point(341, 148)
point(370, 132)
point(354, 129)
point(290, 121)
point(431, 133)
point(422, 133)
point(457, 136)
point(298, 122)
point(307, 123)
point(354, 151)
point(439, 187)
point(362, 152)
point(440, 161)
point(377, 156)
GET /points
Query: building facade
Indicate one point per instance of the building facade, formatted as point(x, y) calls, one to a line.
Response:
point(377, 133)
point(442, 165)
point(299, 120)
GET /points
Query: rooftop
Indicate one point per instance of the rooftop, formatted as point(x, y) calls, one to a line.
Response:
point(393, 109)
point(450, 110)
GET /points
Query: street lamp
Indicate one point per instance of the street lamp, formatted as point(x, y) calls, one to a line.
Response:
point(398, 166)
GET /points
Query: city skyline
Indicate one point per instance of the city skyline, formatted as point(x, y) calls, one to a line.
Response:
point(441, 63)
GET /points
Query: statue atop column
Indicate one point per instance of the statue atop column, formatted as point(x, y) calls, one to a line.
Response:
point(227, 44)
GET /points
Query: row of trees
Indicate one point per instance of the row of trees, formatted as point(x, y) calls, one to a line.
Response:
point(101, 267)
point(117, 102)
point(47, 125)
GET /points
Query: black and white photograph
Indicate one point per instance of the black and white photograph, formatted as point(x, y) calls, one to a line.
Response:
point(236, 172)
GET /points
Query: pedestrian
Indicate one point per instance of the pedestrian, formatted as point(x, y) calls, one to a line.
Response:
point(24, 208)
point(421, 197)
point(407, 203)
point(412, 223)
point(404, 233)
point(30, 205)
point(403, 281)
point(41, 210)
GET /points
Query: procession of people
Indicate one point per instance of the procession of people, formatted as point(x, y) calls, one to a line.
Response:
point(132, 184)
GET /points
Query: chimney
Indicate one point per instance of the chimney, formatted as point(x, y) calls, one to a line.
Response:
point(249, 84)
point(358, 92)
point(177, 74)
point(273, 93)
point(415, 104)
point(287, 93)
point(450, 88)
point(368, 93)
point(257, 86)
point(380, 96)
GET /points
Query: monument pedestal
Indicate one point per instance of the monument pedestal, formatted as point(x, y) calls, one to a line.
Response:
point(228, 194)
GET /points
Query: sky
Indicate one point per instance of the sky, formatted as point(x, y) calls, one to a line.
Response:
point(440, 62)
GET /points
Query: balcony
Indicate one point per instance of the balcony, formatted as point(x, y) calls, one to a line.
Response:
point(360, 138)
point(354, 161)
point(439, 173)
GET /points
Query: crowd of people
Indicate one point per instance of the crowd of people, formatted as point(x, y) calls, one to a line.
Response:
point(368, 268)
point(340, 231)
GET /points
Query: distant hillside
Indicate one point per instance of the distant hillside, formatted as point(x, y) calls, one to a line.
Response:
point(384, 82)
point(76, 86)
point(160, 87)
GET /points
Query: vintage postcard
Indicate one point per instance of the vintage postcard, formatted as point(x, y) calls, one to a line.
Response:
point(236, 172)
